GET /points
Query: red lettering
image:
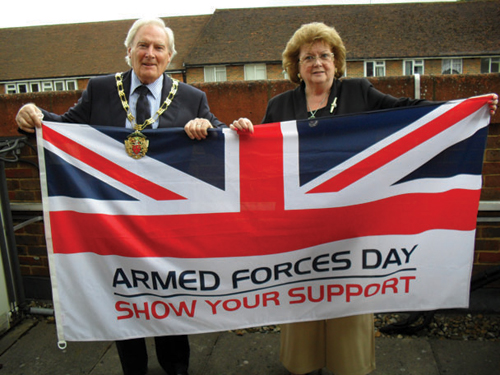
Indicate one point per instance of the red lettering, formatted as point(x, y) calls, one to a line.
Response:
point(257, 302)
point(330, 293)
point(154, 310)
point(295, 293)
point(352, 290)
point(368, 287)
point(271, 296)
point(321, 294)
point(407, 282)
point(390, 284)
point(145, 311)
point(119, 306)
point(237, 304)
point(183, 308)
point(213, 306)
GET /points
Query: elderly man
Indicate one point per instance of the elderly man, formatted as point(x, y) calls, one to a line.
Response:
point(121, 100)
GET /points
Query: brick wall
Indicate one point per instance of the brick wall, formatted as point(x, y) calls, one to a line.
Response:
point(231, 100)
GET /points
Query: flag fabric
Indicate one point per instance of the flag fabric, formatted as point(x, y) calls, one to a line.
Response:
point(302, 220)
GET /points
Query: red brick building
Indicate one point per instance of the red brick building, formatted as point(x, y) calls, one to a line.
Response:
point(246, 44)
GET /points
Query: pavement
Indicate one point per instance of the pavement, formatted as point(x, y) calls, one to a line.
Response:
point(30, 348)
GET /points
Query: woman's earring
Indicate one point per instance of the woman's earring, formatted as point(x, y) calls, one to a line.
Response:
point(300, 78)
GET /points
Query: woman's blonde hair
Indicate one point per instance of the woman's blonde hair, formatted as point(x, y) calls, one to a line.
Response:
point(309, 34)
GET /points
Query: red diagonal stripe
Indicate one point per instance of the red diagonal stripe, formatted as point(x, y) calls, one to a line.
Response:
point(399, 147)
point(107, 167)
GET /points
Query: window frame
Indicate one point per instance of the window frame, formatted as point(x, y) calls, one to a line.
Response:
point(415, 64)
point(259, 72)
point(451, 62)
point(213, 73)
point(377, 64)
point(489, 61)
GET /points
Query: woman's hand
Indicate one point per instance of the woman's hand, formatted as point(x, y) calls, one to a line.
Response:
point(493, 104)
point(242, 124)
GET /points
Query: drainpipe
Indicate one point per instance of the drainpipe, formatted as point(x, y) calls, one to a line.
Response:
point(416, 78)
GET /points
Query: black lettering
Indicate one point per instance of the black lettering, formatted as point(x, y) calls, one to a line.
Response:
point(392, 258)
point(140, 276)
point(282, 268)
point(407, 254)
point(183, 280)
point(378, 258)
point(203, 283)
point(317, 263)
point(336, 259)
point(297, 265)
point(121, 278)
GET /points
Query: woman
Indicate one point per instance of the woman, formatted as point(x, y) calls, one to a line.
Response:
point(315, 58)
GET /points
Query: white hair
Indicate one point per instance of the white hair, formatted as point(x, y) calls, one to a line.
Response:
point(145, 22)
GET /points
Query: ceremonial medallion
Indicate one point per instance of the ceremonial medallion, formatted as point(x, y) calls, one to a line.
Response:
point(136, 145)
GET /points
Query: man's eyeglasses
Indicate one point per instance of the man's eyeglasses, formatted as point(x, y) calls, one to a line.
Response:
point(309, 59)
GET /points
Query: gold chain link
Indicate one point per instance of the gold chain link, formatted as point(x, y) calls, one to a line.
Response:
point(151, 120)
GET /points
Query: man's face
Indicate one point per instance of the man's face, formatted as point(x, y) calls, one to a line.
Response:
point(149, 53)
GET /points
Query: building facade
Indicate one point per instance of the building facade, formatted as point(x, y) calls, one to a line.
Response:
point(246, 44)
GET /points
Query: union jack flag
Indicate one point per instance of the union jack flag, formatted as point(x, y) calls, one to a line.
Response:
point(237, 201)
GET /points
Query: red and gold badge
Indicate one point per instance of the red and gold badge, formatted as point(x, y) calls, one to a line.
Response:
point(136, 145)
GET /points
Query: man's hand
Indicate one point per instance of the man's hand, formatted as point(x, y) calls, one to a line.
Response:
point(29, 117)
point(197, 128)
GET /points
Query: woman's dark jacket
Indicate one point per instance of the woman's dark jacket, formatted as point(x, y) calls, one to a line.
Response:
point(353, 95)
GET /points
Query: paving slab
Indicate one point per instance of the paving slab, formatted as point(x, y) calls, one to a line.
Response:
point(467, 357)
point(37, 353)
point(248, 354)
point(409, 356)
point(31, 349)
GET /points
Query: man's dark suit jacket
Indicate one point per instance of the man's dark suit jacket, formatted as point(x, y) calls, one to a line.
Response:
point(100, 104)
point(355, 95)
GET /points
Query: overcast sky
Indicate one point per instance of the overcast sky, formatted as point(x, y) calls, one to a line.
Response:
point(18, 13)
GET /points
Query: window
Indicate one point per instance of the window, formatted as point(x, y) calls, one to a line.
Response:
point(491, 65)
point(59, 85)
point(215, 73)
point(22, 87)
point(375, 69)
point(452, 66)
point(71, 85)
point(255, 72)
point(47, 86)
point(34, 86)
point(412, 67)
point(10, 89)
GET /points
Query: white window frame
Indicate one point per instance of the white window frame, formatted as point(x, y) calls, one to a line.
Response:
point(255, 72)
point(71, 83)
point(417, 67)
point(452, 65)
point(378, 68)
point(47, 86)
point(21, 87)
point(33, 85)
point(491, 61)
point(59, 85)
point(10, 88)
point(215, 73)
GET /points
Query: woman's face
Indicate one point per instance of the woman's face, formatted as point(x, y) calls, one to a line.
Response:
point(316, 64)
